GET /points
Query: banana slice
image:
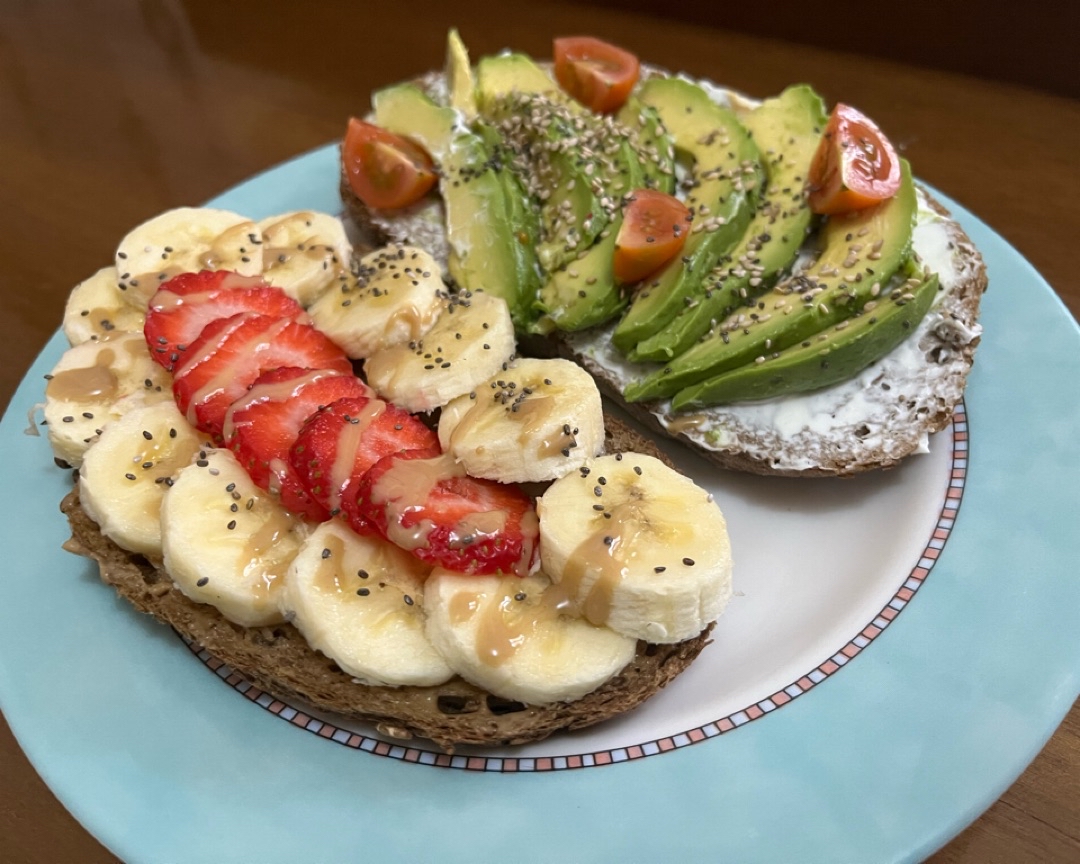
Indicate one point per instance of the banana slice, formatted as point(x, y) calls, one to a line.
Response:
point(637, 546)
point(225, 541)
point(538, 420)
point(469, 343)
point(96, 308)
point(187, 239)
point(93, 384)
point(125, 473)
point(396, 297)
point(359, 601)
point(304, 253)
point(510, 636)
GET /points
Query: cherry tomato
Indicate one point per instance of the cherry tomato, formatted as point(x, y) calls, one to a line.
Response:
point(597, 74)
point(385, 170)
point(654, 230)
point(854, 167)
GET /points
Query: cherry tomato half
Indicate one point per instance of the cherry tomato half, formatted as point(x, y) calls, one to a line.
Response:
point(385, 170)
point(854, 167)
point(597, 74)
point(654, 230)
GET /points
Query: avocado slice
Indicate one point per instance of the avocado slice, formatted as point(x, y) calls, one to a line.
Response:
point(541, 128)
point(583, 293)
point(860, 252)
point(488, 224)
point(722, 195)
point(459, 76)
point(826, 358)
point(787, 130)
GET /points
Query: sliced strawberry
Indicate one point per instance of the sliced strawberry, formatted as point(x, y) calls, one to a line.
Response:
point(341, 441)
point(426, 504)
point(263, 425)
point(185, 304)
point(232, 352)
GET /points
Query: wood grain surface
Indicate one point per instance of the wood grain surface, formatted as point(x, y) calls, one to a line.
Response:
point(111, 112)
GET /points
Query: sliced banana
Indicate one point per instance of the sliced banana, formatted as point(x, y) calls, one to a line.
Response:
point(538, 420)
point(359, 600)
point(395, 298)
point(93, 384)
point(125, 473)
point(469, 343)
point(225, 541)
point(96, 308)
point(637, 546)
point(184, 240)
point(510, 636)
point(304, 253)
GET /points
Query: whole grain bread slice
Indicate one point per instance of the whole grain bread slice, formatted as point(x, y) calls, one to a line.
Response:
point(279, 660)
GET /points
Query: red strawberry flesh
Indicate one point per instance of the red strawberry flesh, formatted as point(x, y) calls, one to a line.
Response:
point(341, 441)
point(185, 304)
point(425, 503)
point(262, 426)
point(232, 352)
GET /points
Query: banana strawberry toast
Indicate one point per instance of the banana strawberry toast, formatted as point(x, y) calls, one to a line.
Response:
point(458, 547)
point(763, 281)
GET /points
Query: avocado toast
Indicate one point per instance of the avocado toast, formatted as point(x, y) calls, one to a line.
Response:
point(779, 340)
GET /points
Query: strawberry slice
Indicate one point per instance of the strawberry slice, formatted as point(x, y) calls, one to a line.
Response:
point(232, 352)
point(426, 504)
point(341, 441)
point(263, 424)
point(185, 304)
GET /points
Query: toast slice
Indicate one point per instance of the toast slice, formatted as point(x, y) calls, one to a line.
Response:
point(279, 660)
point(871, 421)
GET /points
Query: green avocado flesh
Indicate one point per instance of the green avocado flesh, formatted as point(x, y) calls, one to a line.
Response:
point(859, 253)
point(583, 293)
point(721, 193)
point(490, 228)
point(787, 130)
point(829, 357)
point(540, 129)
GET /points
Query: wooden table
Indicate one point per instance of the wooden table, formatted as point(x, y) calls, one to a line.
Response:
point(110, 115)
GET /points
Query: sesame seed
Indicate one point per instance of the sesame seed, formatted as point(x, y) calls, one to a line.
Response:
point(203, 581)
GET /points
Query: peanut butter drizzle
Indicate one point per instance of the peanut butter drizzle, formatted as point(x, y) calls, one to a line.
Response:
point(411, 480)
point(92, 383)
point(601, 561)
point(225, 248)
point(505, 623)
point(276, 391)
point(275, 524)
point(347, 444)
point(417, 323)
point(686, 423)
point(226, 375)
point(533, 415)
point(328, 575)
point(275, 256)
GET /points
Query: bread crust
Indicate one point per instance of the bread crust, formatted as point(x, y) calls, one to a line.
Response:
point(914, 410)
point(279, 660)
